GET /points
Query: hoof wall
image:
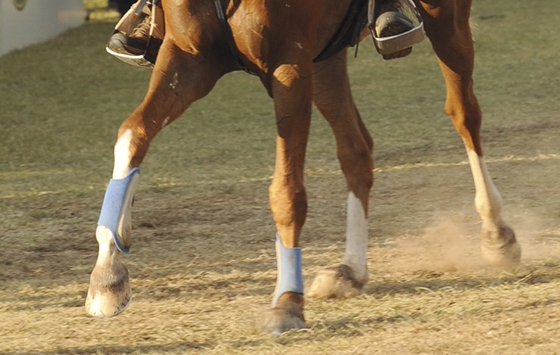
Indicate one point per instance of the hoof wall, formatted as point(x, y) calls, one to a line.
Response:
point(498, 253)
point(108, 294)
point(106, 306)
point(338, 282)
point(282, 319)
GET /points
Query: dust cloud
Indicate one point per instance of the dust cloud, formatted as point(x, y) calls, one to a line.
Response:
point(451, 242)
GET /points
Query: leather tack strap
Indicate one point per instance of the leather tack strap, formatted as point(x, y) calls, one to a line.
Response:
point(348, 34)
point(229, 37)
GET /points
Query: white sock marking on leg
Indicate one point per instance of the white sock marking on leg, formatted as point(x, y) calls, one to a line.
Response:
point(488, 201)
point(355, 255)
point(122, 155)
point(107, 247)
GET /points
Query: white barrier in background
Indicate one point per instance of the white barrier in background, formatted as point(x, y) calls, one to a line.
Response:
point(37, 21)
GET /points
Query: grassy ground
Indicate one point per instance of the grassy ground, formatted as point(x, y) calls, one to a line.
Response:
point(203, 264)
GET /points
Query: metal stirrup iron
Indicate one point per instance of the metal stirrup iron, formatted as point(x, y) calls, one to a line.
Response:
point(408, 12)
point(127, 24)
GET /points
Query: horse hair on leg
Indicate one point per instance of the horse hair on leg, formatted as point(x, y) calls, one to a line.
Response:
point(279, 41)
point(109, 291)
point(447, 27)
point(288, 201)
point(333, 98)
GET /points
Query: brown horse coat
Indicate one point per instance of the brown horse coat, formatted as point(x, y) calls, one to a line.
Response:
point(278, 40)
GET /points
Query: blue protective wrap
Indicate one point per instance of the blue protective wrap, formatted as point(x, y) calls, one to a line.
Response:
point(113, 206)
point(290, 276)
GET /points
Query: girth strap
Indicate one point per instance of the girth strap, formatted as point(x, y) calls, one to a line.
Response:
point(229, 38)
point(347, 34)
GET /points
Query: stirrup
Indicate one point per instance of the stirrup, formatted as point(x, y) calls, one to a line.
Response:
point(402, 41)
point(127, 24)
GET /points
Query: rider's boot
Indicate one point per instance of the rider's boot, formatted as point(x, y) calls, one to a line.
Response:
point(138, 34)
point(133, 44)
point(396, 26)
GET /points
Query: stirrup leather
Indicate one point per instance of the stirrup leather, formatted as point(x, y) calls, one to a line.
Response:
point(157, 30)
point(401, 41)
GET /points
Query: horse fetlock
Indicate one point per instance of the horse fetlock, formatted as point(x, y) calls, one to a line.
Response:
point(336, 282)
point(355, 266)
point(107, 247)
point(109, 290)
point(286, 315)
point(499, 247)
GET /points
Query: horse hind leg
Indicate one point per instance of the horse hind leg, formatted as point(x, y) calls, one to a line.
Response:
point(172, 89)
point(333, 98)
point(447, 26)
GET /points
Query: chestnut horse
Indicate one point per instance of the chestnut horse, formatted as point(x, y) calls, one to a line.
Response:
point(278, 40)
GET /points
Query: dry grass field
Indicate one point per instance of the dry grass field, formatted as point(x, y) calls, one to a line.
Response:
point(202, 264)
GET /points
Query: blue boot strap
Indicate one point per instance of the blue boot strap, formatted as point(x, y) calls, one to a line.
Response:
point(290, 276)
point(113, 206)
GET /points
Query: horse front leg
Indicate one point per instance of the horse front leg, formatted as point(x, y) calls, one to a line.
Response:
point(333, 98)
point(447, 26)
point(176, 82)
point(291, 88)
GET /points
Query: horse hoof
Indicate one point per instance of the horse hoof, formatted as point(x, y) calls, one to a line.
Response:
point(337, 282)
point(284, 317)
point(109, 291)
point(502, 250)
